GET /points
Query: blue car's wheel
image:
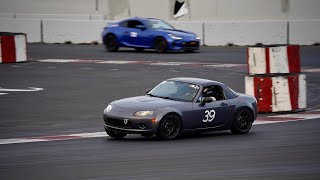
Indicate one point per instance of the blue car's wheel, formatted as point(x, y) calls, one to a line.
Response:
point(242, 122)
point(169, 127)
point(160, 45)
point(111, 43)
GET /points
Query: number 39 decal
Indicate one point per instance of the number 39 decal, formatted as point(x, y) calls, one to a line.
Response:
point(209, 115)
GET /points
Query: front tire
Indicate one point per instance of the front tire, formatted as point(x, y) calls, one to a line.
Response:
point(169, 127)
point(160, 45)
point(115, 134)
point(242, 122)
point(111, 43)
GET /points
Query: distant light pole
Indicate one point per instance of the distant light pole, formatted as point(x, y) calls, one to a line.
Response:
point(97, 6)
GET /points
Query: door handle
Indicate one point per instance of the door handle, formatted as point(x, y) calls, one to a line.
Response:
point(224, 104)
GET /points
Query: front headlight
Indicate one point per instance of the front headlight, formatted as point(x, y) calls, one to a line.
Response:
point(143, 113)
point(108, 109)
point(174, 36)
point(198, 38)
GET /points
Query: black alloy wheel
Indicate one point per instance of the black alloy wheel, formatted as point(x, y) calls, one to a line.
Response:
point(111, 43)
point(242, 122)
point(169, 127)
point(115, 134)
point(160, 45)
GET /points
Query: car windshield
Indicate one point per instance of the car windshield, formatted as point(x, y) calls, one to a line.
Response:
point(175, 90)
point(158, 24)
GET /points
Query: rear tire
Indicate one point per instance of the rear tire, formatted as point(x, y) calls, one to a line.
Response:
point(169, 127)
point(111, 43)
point(160, 45)
point(242, 122)
point(115, 134)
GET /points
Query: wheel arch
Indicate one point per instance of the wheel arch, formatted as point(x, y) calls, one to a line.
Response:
point(174, 112)
point(236, 111)
point(155, 39)
point(244, 107)
point(108, 34)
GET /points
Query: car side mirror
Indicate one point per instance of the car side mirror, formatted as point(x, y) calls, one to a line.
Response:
point(207, 100)
point(141, 27)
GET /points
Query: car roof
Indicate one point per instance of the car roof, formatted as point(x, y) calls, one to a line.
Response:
point(199, 81)
point(139, 18)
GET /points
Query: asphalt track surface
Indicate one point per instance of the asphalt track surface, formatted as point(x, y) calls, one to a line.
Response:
point(75, 95)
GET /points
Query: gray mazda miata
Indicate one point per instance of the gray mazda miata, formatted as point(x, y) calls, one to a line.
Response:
point(181, 105)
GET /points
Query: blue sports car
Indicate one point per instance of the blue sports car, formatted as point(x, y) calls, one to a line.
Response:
point(180, 105)
point(148, 33)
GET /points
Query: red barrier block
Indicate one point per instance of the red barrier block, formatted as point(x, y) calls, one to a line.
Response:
point(274, 60)
point(13, 47)
point(278, 93)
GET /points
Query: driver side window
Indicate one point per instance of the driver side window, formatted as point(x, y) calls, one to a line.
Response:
point(214, 91)
point(134, 24)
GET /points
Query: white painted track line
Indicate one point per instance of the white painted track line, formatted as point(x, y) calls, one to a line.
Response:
point(261, 120)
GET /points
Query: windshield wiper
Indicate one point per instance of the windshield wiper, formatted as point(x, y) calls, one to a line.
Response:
point(168, 98)
point(153, 95)
point(165, 97)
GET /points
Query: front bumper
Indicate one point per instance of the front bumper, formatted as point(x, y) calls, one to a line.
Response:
point(130, 125)
point(184, 45)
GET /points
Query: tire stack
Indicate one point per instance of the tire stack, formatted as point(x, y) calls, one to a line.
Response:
point(13, 47)
point(275, 79)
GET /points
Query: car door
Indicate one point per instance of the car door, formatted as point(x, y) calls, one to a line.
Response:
point(216, 113)
point(213, 114)
point(123, 33)
point(134, 34)
point(145, 38)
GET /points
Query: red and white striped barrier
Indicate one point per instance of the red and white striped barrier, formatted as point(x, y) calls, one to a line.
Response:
point(274, 60)
point(278, 93)
point(13, 47)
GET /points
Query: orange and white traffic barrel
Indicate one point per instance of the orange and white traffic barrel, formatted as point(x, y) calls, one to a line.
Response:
point(13, 47)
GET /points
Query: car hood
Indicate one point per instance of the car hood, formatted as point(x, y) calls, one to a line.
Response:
point(178, 32)
point(144, 103)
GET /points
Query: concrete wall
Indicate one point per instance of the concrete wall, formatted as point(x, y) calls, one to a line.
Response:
point(31, 27)
point(74, 31)
point(304, 32)
point(199, 10)
point(245, 33)
point(212, 33)
point(48, 6)
point(217, 22)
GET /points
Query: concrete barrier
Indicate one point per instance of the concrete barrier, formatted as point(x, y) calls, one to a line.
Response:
point(304, 32)
point(31, 27)
point(13, 47)
point(278, 93)
point(245, 33)
point(275, 79)
point(62, 31)
point(7, 15)
point(54, 16)
point(212, 33)
point(273, 59)
point(193, 26)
